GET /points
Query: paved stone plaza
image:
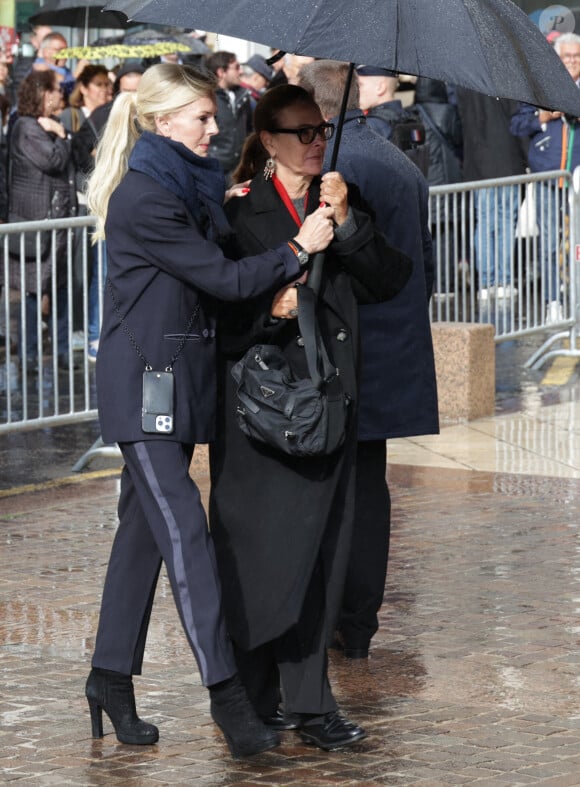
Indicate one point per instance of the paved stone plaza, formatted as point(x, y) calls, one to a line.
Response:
point(474, 677)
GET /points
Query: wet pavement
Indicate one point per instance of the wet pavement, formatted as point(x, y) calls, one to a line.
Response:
point(35, 456)
point(473, 678)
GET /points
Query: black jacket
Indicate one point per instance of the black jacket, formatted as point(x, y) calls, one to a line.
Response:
point(85, 139)
point(489, 148)
point(234, 126)
point(443, 131)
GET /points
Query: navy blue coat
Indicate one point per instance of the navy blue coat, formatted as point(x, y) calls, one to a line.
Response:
point(398, 394)
point(160, 266)
point(545, 151)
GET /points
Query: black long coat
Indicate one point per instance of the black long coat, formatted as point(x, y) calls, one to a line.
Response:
point(271, 515)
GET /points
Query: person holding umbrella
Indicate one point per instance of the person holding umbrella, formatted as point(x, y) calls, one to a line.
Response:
point(394, 335)
point(282, 524)
point(158, 198)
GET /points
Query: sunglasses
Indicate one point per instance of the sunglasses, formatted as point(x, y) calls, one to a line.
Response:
point(307, 134)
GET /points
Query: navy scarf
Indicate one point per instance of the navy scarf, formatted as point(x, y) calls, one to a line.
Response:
point(198, 181)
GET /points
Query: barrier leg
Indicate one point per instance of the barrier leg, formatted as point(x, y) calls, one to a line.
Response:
point(98, 448)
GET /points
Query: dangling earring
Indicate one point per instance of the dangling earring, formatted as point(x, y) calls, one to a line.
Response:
point(270, 168)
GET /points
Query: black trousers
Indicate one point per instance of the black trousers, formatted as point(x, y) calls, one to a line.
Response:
point(161, 518)
point(369, 553)
point(292, 669)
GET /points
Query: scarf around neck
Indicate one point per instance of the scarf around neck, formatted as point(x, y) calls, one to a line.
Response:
point(199, 182)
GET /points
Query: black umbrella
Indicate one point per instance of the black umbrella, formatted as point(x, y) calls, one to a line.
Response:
point(75, 13)
point(486, 45)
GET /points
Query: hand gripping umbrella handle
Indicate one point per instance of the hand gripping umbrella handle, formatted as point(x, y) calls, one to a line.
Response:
point(315, 275)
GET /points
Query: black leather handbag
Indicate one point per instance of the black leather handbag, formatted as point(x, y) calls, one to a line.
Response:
point(299, 416)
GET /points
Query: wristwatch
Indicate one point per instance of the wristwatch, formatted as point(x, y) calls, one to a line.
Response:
point(300, 252)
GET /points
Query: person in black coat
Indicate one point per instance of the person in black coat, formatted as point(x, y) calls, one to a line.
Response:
point(398, 389)
point(162, 215)
point(282, 524)
point(235, 111)
point(443, 131)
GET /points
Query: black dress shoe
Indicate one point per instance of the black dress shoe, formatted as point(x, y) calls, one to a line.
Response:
point(335, 731)
point(283, 721)
point(356, 653)
point(349, 650)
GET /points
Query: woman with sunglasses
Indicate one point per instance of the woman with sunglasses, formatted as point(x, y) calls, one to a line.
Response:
point(281, 524)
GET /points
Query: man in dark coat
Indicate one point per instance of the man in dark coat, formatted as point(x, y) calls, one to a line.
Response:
point(398, 395)
point(234, 114)
point(377, 88)
point(442, 130)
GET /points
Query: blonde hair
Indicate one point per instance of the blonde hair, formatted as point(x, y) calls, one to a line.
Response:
point(163, 89)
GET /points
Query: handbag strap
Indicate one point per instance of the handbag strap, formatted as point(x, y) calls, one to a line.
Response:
point(133, 341)
point(316, 354)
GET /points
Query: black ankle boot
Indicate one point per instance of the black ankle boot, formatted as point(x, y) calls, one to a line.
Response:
point(232, 711)
point(114, 693)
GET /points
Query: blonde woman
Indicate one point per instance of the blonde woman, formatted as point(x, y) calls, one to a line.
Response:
point(158, 199)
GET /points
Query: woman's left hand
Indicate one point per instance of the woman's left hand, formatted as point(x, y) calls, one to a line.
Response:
point(334, 192)
point(238, 190)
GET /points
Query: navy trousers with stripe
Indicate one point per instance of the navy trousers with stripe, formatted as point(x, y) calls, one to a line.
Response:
point(161, 518)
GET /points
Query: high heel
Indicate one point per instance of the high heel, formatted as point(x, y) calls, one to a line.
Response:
point(243, 730)
point(113, 692)
point(96, 718)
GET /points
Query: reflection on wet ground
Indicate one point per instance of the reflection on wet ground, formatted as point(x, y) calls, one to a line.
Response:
point(473, 677)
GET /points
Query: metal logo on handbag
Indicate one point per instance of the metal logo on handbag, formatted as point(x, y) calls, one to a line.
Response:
point(299, 416)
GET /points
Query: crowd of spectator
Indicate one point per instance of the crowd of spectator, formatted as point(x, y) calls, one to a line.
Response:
point(452, 134)
point(52, 122)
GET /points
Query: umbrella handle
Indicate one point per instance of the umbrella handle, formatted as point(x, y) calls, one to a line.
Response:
point(341, 116)
point(315, 275)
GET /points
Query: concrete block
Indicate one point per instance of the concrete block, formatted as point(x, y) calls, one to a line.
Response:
point(465, 366)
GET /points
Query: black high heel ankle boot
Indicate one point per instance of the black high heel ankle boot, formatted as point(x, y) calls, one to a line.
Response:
point(232, 711)
point(113, 692)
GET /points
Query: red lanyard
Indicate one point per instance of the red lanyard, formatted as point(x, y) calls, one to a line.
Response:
point(284, 196)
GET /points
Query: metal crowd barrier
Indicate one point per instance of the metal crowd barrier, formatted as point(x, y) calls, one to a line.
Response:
point(53, 383)
point(45, 273)
point(506, 253)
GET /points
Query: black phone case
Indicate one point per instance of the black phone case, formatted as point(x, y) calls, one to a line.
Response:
point(157, 411)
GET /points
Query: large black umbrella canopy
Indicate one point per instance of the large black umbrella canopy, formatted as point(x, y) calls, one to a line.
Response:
point(486, 45)
point(76, 13)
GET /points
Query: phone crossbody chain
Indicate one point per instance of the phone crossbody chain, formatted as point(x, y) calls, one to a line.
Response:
point(139, 351)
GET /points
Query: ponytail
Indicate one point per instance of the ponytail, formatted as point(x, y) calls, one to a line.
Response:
point(111, 160)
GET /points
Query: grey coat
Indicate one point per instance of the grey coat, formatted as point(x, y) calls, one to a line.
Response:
point(41, 185)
